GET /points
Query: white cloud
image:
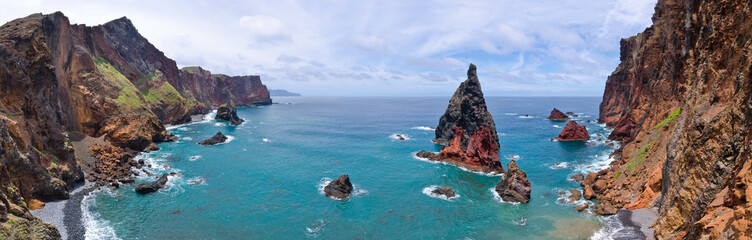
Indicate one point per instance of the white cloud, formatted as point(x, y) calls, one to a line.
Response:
point(382, 47)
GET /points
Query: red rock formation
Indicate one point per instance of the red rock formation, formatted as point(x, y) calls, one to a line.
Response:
point(679, 101)
point(514, 186)
point(573, 132)
point(468, 130)
point(557, 115)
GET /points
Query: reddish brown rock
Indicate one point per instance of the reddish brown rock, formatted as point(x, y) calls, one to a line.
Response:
point(557, 115)
point(467, 129)
point(514, 186)
point(573, 132)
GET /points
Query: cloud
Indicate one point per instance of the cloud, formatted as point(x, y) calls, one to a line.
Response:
point(264, 29)
point(385, 47)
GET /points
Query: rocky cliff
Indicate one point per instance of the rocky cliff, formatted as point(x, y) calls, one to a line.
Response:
point(58, 79)
point(681, 102)
point(467, 129)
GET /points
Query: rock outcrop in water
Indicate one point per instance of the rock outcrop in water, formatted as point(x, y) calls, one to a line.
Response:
point(573, 132)
point(557, 115)
point(214, 140)
point(444, 191)
point(467, 129)
point(228, 112)
point(340, 188)
point(151, 187)
point(514, 186)
point(107, 80)
point(680, 103)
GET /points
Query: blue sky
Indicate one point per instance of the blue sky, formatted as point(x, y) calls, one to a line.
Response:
point(382, 48)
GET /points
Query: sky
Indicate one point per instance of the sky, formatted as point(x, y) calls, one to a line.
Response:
point(382, 47)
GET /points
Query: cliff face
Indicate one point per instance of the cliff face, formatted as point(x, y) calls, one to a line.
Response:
point(468, 129)
point(58, 79)
point(681, 100)
point(15, 220)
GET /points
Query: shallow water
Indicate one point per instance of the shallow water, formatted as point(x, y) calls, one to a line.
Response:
point(266, 182)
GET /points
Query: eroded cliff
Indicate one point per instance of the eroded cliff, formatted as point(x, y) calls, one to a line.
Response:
point(58, 80)
point(681, 102)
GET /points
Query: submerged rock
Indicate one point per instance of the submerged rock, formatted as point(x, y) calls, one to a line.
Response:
point(152, 186)
point(578, 177)
point(228, 112)
point(444, 190)
point(216, 139)
point(514, 186)
point(557, 115)
point(581, 207)
point(339, 188)
point(467, 129)
point(573, 132)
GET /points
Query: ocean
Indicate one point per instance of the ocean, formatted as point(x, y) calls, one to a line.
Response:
point(267, 181)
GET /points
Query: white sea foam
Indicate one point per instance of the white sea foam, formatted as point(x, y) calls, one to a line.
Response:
point(424, 128)
point(187, 138)
point(415, 156)
point(429, 192)
point(598, 162)
point(395, 136)
point(219, 124)
point(526, 116)
point(210, 116)
point(615, 229)
point(560, 165)
point(497, 197)
point(513, 157)
point(96, 227)
point(314, 229)
point(556, 126)
point(265, 139)
point(200, 180)
point(194, 158)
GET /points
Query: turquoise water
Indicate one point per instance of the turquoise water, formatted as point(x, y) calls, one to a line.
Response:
point(265, 183)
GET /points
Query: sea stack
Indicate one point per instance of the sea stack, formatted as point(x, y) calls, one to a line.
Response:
point(573, 132)
point(228, 112)
point(467, 129)
point(340, 188)
point(151, 187)
point(514, 186)
point(557, 115)
point(214, 140)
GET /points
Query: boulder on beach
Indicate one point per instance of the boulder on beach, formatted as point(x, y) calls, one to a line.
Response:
point(514, 186)
point(152, 186)
point(573, 132)
point(228, 112)
point(444, 190)
point(216, 139)
point(339, 188)
point(557, 115)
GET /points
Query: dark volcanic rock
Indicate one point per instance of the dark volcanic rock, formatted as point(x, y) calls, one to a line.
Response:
point(339, 188)
point(557, 115)
point(427, 155)
point(573, 132)
point(514, 186)
point(228, 112)
point(444, 190)
point(468, 130)
point(152, 186)
point(216, 139)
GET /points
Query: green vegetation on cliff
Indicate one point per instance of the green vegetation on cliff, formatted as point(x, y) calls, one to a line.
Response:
point(128, 99)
